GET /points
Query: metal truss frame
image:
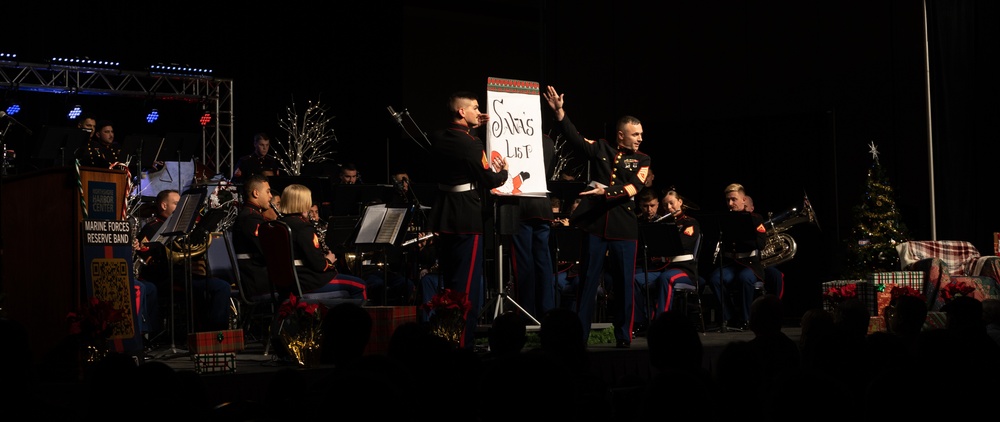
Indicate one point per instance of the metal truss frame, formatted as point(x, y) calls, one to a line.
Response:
point(215, 93)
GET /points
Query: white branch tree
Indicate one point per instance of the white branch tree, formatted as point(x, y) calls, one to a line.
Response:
point(310, 138)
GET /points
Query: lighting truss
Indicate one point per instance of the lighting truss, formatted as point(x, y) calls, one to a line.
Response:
point(74, 78)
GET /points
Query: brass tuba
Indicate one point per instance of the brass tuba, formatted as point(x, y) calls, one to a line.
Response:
point(781, 246)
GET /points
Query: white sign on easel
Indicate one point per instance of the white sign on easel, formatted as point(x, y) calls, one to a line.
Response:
point(515, 133)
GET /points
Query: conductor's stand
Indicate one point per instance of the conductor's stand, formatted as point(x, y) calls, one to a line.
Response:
point(738, 252)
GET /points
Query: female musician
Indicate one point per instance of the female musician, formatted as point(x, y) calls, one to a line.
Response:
point(664, 273)
point(317, 273)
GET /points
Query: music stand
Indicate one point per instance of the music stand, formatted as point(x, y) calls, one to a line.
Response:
point(735, 227)
point(177, 175)
point(383, 226)
point(177, 226)
point(59, 143)
point(351, 199)
point(566, 190)
point(657, 239)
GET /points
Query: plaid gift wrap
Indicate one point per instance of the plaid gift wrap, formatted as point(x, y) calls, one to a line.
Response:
point(913, 279)
point(865, 289)
point(216, 341)
point(935, 320)
point(224, 363)
point(385, 319)
point(958, 256)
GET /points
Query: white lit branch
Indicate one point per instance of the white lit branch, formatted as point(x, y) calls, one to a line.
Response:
point(309, 138)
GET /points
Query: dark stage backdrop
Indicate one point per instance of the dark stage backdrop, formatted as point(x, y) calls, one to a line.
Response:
point(781, 96)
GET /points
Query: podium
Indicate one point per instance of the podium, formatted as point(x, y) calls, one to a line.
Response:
point(42, 262)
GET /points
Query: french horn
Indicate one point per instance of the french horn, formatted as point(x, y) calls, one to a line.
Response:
point(781, 246)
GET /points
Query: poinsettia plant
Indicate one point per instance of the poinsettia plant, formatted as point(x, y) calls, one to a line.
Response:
point(898, 291)
point(94, 321)
point(446, 313)
point(300, 324)
point(839, 294)
point(955, 289)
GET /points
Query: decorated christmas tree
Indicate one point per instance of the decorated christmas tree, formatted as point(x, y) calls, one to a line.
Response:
point(878, 226)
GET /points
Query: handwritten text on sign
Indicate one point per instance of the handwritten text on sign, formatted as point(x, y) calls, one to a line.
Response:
point(515, 134)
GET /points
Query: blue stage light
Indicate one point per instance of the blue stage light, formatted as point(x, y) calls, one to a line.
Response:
point(152, 116)
point(75, 112)
point(13, 109)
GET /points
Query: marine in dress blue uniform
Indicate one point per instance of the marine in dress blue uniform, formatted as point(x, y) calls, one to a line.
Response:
point(532, 255)
point(464, 176)
point(607, 215)
point(740, 260)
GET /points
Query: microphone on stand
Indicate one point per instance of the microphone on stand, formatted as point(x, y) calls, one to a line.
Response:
point(396, 114)
point(4, 114)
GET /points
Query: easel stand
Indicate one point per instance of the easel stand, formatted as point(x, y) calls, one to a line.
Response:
point(506, 216)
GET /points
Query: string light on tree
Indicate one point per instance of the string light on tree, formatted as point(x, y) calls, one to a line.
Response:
point(878, 225)
point(309, 138)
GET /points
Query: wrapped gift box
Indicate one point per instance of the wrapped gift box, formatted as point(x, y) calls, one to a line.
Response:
point(935, 320)
point(216, 341)
point(914, 279)
point(209, 363)
point(865, 290)
point(385, 319)
point(876, 325)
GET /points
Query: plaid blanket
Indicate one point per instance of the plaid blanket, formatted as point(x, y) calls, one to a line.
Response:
point(959, 257)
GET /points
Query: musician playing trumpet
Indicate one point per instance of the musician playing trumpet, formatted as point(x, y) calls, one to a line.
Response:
point(665, 273)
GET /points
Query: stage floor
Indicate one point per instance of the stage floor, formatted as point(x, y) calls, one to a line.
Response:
point(254, 368)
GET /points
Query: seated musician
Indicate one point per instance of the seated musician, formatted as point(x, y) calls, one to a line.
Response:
point(249, 254)
point(317, 273)
point(211, 294)
point(660, 275)
point(740, 269)
point(257, 162)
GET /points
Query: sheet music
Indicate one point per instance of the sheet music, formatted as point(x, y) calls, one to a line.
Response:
point(183, 218)
point(391, 224)
point(371, 223)
point(381, 225)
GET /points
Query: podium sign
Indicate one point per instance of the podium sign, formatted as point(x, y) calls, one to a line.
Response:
point(107, 259)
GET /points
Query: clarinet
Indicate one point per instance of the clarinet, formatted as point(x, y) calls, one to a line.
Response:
point(275, 208)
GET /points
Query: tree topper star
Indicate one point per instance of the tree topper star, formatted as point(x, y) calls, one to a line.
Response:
point(873, 151)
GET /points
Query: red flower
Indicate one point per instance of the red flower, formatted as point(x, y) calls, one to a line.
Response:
point(840, 294)
point(94, 321)
point(448, 300)
point(955, 289)
point(898, 291)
